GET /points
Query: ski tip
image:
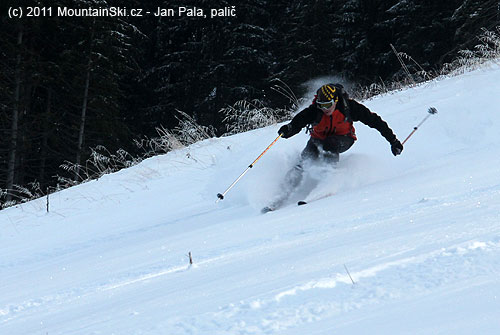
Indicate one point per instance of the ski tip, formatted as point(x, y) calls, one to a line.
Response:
point(302, 202)
point(266, 209)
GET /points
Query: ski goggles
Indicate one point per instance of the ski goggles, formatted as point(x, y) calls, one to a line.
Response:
point(326, 105)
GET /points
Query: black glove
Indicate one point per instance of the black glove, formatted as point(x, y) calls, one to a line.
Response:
point(286, 131)
point(396, 147)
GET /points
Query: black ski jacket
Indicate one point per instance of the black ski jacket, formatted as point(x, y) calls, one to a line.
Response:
point(354, 111)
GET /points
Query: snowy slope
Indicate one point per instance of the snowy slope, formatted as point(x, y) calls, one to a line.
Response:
point(419, 234)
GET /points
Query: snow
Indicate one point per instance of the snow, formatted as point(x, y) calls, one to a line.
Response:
point(418, 233)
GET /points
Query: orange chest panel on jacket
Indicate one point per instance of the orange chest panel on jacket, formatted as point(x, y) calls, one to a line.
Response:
point(334, 124)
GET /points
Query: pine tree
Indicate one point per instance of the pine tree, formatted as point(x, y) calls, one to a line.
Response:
point(202, 65)
point(424, 32)
point(469, 19)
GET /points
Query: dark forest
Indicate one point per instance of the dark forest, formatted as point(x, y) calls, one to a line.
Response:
point(72, 83)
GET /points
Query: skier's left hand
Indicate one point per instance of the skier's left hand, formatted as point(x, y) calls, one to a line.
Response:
point(396, 147)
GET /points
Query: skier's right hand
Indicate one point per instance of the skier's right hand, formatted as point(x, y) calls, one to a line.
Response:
point(286, 131)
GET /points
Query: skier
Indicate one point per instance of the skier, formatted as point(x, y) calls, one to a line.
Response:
point(331, 116)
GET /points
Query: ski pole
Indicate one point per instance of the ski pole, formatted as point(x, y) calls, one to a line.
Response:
point(220, 196)
point(431, 111)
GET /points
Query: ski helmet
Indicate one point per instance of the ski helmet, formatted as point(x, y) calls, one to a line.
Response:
point(327, 95)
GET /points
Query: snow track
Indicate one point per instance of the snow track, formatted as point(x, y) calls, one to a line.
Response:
point(419, 235)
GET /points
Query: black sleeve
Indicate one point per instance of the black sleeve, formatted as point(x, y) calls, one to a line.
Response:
point(361, 113)
point(303, 118)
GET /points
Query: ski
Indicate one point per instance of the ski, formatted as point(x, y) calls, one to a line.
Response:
point(275, 205)
point(305, 202)
point(278, 205)
point(267, 209)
